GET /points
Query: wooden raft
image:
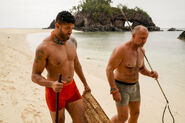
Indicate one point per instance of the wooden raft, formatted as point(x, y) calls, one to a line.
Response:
point(93, 111)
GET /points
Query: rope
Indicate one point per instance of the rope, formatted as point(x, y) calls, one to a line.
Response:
point(167, 102)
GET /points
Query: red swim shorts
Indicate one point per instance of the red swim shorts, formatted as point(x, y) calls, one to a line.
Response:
point(69, 93)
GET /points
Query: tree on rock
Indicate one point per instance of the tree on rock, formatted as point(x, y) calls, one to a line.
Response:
point(95, 8)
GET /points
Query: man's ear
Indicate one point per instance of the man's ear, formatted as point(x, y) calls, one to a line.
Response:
point(133, 35)
point(57, 25)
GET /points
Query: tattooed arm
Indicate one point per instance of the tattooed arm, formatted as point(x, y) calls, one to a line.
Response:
point(39, 65)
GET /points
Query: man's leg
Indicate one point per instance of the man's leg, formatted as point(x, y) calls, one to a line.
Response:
point(61, 116)
point(76, 110)
point(122, 115)
point(134, 107)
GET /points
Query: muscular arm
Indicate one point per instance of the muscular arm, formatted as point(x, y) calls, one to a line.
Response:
point(73, 41)
point(78, 70)
point(143, 70)
point(113, 63)
point(38, 67)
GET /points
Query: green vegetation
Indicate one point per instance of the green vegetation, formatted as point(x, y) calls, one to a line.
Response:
point(141, 11)
point(98, 8)
point(131, 11)
point(94, 7)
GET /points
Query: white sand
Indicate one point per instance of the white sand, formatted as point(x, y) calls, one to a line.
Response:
point(22, 101)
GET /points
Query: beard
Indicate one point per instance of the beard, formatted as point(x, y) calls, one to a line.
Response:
point(64, 37)
point(140, 45)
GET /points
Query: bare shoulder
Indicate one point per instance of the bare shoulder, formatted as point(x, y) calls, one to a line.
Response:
point(43, 47)
point(142, 50)
point(118, 52)
point(121, 48)
point(73, 41)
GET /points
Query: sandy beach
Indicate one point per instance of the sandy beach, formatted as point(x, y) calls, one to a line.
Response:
point(22, 101)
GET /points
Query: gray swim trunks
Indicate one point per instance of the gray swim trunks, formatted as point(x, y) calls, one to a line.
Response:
point(128, 92)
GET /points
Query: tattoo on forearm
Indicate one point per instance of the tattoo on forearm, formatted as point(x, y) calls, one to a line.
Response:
point(39, 78)
point(39, 56)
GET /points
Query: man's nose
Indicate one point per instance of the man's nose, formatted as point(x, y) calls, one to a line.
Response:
point(144, 41)
point(70, 31)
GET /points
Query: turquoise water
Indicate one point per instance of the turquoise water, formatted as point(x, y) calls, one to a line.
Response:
point(165, 52)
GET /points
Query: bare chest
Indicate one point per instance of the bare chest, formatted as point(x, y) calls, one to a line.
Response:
point(133, 59)
point(59, 56)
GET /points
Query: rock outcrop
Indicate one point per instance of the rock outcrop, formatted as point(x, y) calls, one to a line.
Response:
point(174, 29)
point(182, 36)
point(52, 25)
point(116, 22)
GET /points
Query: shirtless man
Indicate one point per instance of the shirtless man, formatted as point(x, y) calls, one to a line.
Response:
point(123, 68)
point(58, 55)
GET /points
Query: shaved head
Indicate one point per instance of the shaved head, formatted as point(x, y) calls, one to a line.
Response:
point(139, 35)
point(139, 28)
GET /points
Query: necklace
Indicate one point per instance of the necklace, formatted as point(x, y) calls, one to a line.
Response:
point(58, 41)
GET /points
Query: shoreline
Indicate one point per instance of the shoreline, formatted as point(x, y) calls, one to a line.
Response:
point(20, 98)
point(24, 100)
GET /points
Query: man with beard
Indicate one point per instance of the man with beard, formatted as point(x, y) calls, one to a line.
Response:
point(123, 68)
point(58, 55)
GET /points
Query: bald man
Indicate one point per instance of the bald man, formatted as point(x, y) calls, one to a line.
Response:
point(123, 68)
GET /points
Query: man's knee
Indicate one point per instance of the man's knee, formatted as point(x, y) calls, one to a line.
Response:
point(123, 118)
point(134, 114)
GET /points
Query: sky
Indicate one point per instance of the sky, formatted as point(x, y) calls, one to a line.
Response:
point(40, 13)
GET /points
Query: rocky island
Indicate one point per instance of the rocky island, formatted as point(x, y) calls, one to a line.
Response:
point(174, 29)
point(98, 15)
point(182, 36)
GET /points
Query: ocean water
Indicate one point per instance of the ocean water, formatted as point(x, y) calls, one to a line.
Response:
point(165, 52)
